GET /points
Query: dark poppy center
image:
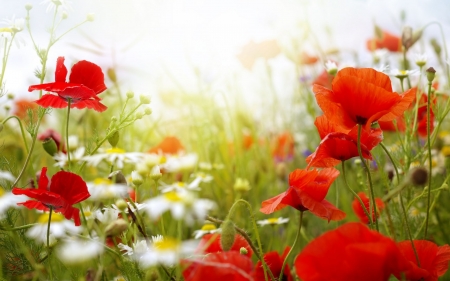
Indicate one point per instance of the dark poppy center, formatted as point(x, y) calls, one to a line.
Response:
point(361, 120)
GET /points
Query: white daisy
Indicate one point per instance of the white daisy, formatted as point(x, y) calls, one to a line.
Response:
point(5, 175)
point(57, 4)
point(107, 216)
point(207, 228)
point(182, 205)
point(114, 156)
point(69, 252)
point(180, 186)
point(273, 221)
point(58, 228)
point(75, 157)
point(9, 200)
point(104, 189)
point(177, 163)
point(139, 206)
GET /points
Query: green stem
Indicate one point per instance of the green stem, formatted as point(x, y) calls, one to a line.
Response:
point(21, 130)
point(69, 101)
point(356, 194)
point(5, 60)
point(293, 245)
point(48, 227)
point(405, 218)
point(392, 161)
point(431, 208)
point(372, 205)
point(430, 162)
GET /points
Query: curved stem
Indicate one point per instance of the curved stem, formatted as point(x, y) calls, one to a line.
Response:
point(392, 161)
point(293, 245)
point(21, 130)
point(69, 101)
point(356, 194)
point(255, 229)
point(372, 205)
point(430, 162)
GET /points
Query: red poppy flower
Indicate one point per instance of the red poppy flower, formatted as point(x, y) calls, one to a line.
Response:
point(307, 191)
point(224, 266)
point(422, 119)
point(283, 147)
point(350, 252)
point(359, 211)
point(433, 260)
point(274, 261)
point(61, 192)
point(389, 126)
point(387, 41)
point(339, 144)
point(169, 145)
point(307, 59)
point(361, 96)
point(86, 81)
point(210, 243)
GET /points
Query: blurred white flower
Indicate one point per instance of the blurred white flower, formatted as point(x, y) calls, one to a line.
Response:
point(57, 4)
point(9, 200)
point(115, 156)
point(59, 226)
point(5, 175)
point(182, 205)
point(75, 157)
point(139, 206)
point(69, 252)
point(177, 163)
point(104, 189)
point(16, 25)
point(107, 216)
point(273, 221)
point(207, 228)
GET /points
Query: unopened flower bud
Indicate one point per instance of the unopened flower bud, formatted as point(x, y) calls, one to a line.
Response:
point(144, 99)
point(407, 37)
point(114, 139)
point(10, 96)
point(148, 111)
point(90, 17)
point(155, 173)
point(28, 6)
point(139, 115)
point(73, 142)
point(228, 235)
point(121, 205)
point(111, 74)
point(116, 227)
point(50, 146)
point(113, 119)
point(241, 185)
point(130, 94)
point(117, 177)
point(430, 74)
point(243, 251)
point(64, 15)
point(418, 176)
point(7, 107)
point(436, 47)
point(444, 186)
point(136, 178)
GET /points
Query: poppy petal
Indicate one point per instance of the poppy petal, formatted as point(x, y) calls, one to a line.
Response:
point(70, 186)
point(91, 104)
point(61, 70)
point(89, 75)
point(43, 179)
point(53, 101)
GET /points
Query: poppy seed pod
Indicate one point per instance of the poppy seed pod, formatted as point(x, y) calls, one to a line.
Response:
point(117, 177)
point(112, 74)
point(228, 235)
point(418, 176)
point(116, 227)
point(50, 146)
point(431, 73)
point(243, 251)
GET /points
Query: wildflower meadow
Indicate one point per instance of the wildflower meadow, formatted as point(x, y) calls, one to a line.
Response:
point(224, 140)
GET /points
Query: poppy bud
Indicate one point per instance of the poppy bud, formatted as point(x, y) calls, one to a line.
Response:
point(228, 235)
point(407, 37)
point(436, 47)
point(114, 139)
point(116, 227)
point(430, 74)
point(418, 176)
point(112, 74)
point(117, 177)
point(50, 146)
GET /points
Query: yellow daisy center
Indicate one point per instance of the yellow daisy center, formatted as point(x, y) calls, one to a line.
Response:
point(56, 217)
point(2, 191)
point(446, 150)
point(115, 150)
point(208, 227)
point(272, 220)
point(100, 181)
point(172, 196)
point(166, 244)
